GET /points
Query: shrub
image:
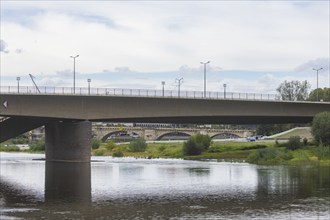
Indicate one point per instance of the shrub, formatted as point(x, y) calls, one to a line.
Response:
point(10, 148)
point(305, 141)
point(294, 143)
point(95, 143)
point(118, 153)
point(269, 155)
point(38, 146)
point(110, 145)
point(323, 152)
point(99, 152)
point(161, 148)
point(196, 144)
point(321, 128)
point(138, 145)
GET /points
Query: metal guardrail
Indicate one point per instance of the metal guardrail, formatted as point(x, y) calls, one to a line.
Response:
point(135, 93)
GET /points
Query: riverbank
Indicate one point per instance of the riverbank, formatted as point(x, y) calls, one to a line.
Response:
point(270, 153)
point(267, 153)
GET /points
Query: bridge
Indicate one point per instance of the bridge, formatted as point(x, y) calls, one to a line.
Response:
point(151, 134)
point(67, 117)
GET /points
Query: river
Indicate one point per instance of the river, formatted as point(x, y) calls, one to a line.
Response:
point(129, 188)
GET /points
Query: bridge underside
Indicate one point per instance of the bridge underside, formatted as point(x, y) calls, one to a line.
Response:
point(215, 120)
point(70, 140)
point(15, 126)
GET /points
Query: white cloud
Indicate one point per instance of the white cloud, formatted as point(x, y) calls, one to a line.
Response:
point(316, 64)
point(3, 47)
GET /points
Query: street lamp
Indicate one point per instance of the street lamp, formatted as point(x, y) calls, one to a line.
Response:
point(224, 90)
point(74, 73)
point(18, 79)
point(179, 81)
point(317, 82)
point(163, 84)
point(89, 86)
point(204, 63)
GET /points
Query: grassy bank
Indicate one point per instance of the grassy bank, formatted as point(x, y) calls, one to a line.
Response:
point(269, 153)
point(252, 152)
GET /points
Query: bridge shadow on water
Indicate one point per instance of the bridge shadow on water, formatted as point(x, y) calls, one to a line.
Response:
point(68, 182)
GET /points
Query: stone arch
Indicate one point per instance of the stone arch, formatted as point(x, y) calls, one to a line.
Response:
point(172, 132)
point(226, 135)
point(105, 137)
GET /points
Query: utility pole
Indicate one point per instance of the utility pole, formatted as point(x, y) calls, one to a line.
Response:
point(317, 81)
point(163, 84)
point(74, 73)
point(204, 63)
point(18, 79)
point(179, 81)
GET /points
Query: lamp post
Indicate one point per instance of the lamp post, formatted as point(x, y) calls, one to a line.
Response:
point(163, 84)
point(204, 63)
point(74, 73)
point(89, 86)
point(317, 82)
point(179, 81)
point(18, 79)
point(224, 90)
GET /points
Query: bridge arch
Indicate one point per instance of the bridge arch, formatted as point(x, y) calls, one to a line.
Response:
point(173, 133)
point(105, 137)
point(225, 135)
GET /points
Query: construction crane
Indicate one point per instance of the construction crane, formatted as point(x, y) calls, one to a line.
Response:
point(34, 82)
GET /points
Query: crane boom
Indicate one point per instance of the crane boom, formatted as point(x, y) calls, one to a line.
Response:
point(34, 82)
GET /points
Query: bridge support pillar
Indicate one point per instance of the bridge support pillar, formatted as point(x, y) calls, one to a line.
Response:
point(68, 141)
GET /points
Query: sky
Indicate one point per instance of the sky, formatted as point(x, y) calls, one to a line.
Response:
point(252, 46)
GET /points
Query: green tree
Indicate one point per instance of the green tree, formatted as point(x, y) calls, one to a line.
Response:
point(322, 94)
point(196, 144)
point(294, 90)
point(96, 143)
point(294, 143)
point(138, 145)
point(321, 128)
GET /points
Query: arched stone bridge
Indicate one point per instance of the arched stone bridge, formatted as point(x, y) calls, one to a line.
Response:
point(150, 134)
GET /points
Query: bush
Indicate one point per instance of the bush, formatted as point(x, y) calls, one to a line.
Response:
point(323, 152)
point(321, 128)
point(10, 148)
point(269, 155)
point(196, 144)
point(38, 146)
point(110, 145)
point(305, 141)
point(95, 143)
point(99, 152)
point(138, 145)
point(118, 153)
point(294, 143)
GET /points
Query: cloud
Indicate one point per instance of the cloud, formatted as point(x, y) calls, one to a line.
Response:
point(3, 47)
point(317, 63)
point(18, 51)
point(123, 69)
point(65, 73)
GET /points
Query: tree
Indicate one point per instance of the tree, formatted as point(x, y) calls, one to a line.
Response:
point(196, 144)
point(138, 145)
point(321, 128)
point(294, 90)
point(322, 94)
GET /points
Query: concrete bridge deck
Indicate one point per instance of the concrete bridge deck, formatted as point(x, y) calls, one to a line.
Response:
point(64, 114)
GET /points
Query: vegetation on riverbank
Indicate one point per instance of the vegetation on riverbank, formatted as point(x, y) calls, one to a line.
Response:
point(270, 153)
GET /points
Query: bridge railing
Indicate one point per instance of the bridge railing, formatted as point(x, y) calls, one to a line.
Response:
point(135, 92)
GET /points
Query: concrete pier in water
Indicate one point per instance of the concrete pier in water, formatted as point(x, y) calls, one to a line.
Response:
point(68, 141)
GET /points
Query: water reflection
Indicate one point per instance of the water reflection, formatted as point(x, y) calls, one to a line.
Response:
point(162, 189)
point(68, 182)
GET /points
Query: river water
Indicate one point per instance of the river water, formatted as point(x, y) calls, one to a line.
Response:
point(128, 188)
